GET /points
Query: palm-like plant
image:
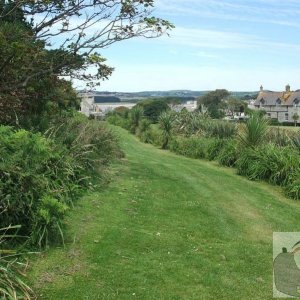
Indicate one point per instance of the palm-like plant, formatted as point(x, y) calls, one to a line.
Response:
point(136, 114)
point(165, 121)
point(253, 133)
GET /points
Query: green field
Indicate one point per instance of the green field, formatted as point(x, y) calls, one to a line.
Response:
point(168, 227)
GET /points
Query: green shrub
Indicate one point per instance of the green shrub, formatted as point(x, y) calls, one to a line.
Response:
point(213, 148)
point(165, 121)
point(228, 155)
point(254, 132)
point(40, 177)
point(135, 117)
point(143, 127)
point(292, 188)
point(194, 147)
point(152, 136)
point(118, 120)
point(220, 129)
point(270, 163)
point(12, 284)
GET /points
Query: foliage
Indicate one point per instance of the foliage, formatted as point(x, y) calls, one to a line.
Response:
point(143, 130)
point(270, 163)
point(220, 129)
point(136, 115)
point(122, 111)
point(116, 119)
point(12, 284)
point(40, 177)
point(198, 123)
point(40, 44)
point(165, 122)
point(254, 131)
point(194, 146)
point(153, 108)
point(234, 105)
point(213, 102)
point(214, 146)
point(229, 153)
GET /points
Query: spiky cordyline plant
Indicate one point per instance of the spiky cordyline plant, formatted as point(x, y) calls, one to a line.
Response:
point(253, 133)
point(165, 121)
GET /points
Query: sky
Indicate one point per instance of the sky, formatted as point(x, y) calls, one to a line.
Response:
point(233, 44)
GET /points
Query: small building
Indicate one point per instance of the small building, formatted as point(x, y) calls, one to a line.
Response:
point(280, 106)
point(90, 106)
point(189, 106)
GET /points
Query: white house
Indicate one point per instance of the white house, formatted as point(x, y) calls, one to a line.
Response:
point(89, 107)
point(189, 106)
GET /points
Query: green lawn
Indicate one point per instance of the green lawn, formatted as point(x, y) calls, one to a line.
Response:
point(168, 227)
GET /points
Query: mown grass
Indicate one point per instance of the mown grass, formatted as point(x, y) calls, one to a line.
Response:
point(168, 227)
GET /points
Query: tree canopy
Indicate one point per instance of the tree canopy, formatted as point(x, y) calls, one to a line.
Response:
point(212, 101)
point(153, 108)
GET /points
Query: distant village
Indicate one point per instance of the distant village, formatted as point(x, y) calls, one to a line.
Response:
point(281, 106)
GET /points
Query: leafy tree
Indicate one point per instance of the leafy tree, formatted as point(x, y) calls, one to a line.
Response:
point(31, 69)
point(99, 23)
point(235, 105)
point(122, 111)
point(213, 102)
point(153, 108)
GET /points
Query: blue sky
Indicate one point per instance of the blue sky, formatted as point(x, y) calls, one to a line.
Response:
point(232, 44)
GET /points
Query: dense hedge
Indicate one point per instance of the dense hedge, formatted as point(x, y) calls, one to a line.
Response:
point(41, 175)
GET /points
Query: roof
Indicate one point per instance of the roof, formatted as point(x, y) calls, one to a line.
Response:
point(270, 98)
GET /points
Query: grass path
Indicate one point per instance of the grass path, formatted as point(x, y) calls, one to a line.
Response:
point(168, 227)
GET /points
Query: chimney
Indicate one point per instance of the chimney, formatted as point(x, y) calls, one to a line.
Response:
point(287, 88)
point(261, 88)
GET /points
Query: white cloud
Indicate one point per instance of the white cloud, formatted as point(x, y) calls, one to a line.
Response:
point(284, 13)
point(217, 39)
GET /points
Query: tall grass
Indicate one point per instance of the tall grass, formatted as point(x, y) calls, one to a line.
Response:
point(12, 284)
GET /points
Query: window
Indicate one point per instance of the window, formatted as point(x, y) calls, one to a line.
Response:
point(296, 102)
point(278, 102)
point(262, 103)
point(286, 117)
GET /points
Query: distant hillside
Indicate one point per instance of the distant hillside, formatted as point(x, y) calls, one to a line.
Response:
point(106, 99)
point(182, 95)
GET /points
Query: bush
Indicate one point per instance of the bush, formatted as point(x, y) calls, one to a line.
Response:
point(152, 135)
point(194, 147)
point(220, 129)
point(118, 120)
point(40, 177)
point(270, 163)
point(228, 155)
point(153, 108)
point(12, 285)
point(254, 131)
point(214, 146)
